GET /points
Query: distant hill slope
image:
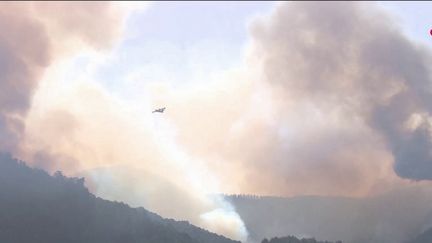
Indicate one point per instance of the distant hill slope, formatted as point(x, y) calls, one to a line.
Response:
point(425, 237)
point(293, 239)
point(39, 208)
point(394, 217)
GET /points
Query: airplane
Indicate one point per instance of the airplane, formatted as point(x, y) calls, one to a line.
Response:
point(161, 110)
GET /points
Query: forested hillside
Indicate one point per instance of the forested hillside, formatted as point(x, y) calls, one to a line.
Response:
point(36, 207)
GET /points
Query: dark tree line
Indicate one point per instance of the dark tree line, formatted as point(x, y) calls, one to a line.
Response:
point(36, 207)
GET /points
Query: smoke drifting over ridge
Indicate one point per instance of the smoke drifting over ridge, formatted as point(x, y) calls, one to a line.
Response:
point(349, 95)
point(331, 96)
point(312, 111)
point(77, 127)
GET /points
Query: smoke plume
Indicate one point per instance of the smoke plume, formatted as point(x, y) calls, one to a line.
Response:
point(24, 53)
point(350, 58)
point(331, 99)
point(76, 126)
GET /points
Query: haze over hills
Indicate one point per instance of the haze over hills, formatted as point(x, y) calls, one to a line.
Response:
point(395, 217)
point(293, 239)
point(37, 207)
point(425, 237)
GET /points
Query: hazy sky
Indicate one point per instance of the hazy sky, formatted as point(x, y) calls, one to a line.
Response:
point(266, 98)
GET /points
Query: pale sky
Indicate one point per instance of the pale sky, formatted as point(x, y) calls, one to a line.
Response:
point(415, 18)
point(183, 42)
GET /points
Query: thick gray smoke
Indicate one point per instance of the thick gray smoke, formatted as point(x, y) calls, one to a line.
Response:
point(32, 35)
point(349, 57)
point(24, 53)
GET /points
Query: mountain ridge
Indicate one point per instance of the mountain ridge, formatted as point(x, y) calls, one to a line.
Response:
point(38, 207)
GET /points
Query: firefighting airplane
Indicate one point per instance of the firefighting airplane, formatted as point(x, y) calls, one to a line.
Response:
point(161, 110)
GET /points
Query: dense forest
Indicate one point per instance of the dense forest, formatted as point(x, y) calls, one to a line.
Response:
point(36, 207)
